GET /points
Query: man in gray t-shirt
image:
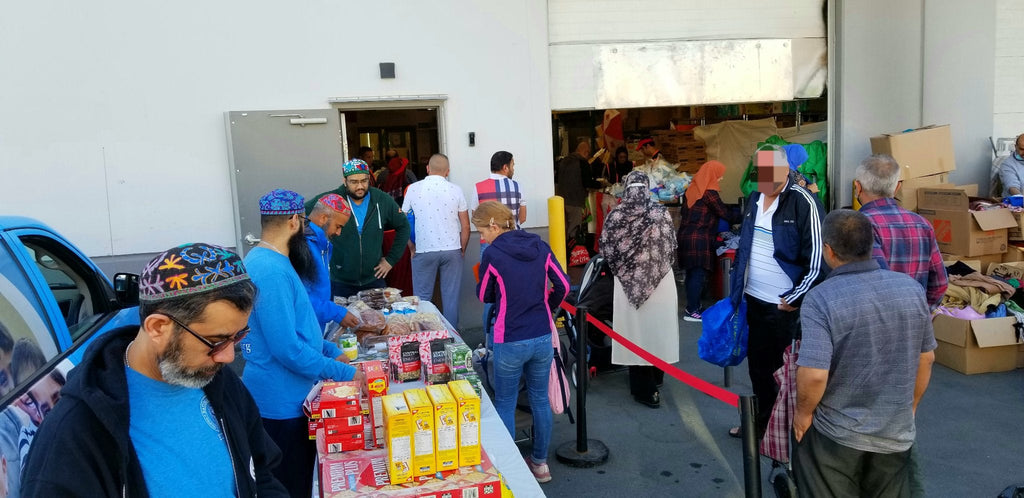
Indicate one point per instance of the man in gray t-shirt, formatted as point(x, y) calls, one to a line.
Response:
point(864, 363)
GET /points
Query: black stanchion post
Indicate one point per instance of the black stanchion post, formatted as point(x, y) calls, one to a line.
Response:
point(751, 456)
point(584, 452)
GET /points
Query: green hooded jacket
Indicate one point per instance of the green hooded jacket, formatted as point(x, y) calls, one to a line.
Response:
point(355, 255)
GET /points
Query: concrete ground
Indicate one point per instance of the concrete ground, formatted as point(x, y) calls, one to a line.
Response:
point(969, 435)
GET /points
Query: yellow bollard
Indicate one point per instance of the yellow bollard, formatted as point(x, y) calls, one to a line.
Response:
point(556, 228)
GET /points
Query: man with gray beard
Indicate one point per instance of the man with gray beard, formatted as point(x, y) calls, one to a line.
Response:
point(150, 410)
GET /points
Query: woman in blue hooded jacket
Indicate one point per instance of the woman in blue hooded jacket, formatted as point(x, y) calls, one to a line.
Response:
point(514, 275)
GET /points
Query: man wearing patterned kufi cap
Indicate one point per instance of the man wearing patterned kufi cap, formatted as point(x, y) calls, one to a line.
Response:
point(150, 410)
point(329, 214)
point(358, 261)
point(286, 353)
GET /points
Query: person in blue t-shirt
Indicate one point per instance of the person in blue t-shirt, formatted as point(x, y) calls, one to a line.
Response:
point(329, 214)
point(286, 353)
point(150, 410)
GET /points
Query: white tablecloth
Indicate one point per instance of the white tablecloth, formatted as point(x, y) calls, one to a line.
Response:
point(496, 440)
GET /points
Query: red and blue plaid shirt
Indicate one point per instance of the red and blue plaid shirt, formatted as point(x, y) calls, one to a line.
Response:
point(905, 241)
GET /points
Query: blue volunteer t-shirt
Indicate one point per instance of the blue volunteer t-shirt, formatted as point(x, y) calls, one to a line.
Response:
point(359, 211)
point(178, 439)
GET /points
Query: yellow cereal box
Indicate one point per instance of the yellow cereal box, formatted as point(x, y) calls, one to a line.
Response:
point(398, 434)
point(446, 433)
point(422, 432)
point(468, 417)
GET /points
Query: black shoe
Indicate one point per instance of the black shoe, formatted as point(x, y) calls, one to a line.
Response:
point(653, 401)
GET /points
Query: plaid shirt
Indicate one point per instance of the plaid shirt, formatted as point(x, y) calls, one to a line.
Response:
point(698, 229)
point(775, 444)
point(905, 242)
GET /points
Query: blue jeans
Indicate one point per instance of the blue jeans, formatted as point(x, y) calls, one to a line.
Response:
point(694, 287)
point(532, 358)
point(424, 272)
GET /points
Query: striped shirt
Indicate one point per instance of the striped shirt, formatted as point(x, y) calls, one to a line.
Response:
point(765, 279)
point(502, 189)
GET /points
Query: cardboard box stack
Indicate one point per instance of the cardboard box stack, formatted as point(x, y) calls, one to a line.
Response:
point(336, 416)
point(925, 156)
point(681, 148)
point(958, 229)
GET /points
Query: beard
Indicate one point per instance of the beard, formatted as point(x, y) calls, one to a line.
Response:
point(173, 370)
point(301, 257)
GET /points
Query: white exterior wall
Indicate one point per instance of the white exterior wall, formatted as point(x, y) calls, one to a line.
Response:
point(959, 78)
point(1008, 116)
point(115, 129)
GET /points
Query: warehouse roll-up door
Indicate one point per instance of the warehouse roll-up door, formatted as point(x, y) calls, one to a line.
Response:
point(649, 53)
point(300, 150)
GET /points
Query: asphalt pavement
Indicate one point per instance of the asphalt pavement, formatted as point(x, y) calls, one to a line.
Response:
point(969, 435)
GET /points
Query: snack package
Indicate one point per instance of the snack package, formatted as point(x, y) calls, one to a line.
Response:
point(467, 403)
point(375, 388)
point(435, 364)
point(402, 359)
point(399, 324)
point(370, 320)
point(424, 321)
point(422, 411)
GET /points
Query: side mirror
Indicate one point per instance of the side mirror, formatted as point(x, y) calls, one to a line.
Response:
point(126, 289)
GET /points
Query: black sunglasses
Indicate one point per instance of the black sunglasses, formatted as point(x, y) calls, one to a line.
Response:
point(215, 347)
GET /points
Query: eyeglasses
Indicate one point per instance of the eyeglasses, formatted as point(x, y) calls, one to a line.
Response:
point(305, 220)
point(215, 347)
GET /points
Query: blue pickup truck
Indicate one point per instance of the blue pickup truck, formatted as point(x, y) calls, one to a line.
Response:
point(53, 302)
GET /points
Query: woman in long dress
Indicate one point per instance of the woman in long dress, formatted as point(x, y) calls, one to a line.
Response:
point(639, 244)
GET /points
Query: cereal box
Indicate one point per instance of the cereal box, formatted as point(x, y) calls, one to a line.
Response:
point(398, 437)
point(422, 411)
point(336, 399)
point(467, 404)
point(446, 434)
point(353, 473)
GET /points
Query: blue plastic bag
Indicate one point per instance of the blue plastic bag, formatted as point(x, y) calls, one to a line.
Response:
point(723, 338)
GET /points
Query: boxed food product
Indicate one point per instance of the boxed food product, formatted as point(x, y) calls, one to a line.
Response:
point(336, 399)
point(337, 441)
point(351, 473)
point(460, 358)
point(338, 425)
point(422, 411)
point(364, 474)
point(398, 437)
point(404, 365)
point(313, 426)
point(375, 386)
point(473, 379)
point(435, 364)
point(467, 406)
point(446, 433)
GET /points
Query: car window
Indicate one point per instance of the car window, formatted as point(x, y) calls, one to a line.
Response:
point(26, 340)
point(73, 286)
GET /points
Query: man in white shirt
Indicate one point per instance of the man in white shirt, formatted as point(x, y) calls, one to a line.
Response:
point(441, 231)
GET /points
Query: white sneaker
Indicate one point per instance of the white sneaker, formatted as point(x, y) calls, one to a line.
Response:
point(540, 470)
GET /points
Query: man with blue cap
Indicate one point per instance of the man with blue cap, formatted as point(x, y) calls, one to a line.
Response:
point(286, 353)
point(358, 261)
point(150, 410)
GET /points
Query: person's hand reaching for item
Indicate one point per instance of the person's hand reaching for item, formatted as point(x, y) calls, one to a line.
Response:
point(350, 321)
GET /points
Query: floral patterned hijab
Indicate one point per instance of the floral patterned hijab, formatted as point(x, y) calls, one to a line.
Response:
point(638, 241)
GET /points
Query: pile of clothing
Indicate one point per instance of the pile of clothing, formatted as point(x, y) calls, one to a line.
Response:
point(973, 296)
point(668, 185)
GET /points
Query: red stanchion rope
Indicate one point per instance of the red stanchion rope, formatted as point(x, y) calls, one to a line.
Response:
point(724, 395)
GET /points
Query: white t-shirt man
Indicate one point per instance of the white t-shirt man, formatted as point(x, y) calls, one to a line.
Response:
point(436, 203)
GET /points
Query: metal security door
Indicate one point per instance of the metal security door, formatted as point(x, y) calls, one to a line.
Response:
point(300, 150)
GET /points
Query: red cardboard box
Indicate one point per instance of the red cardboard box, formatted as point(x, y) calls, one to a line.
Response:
point(376, 386)
point(343, 424)
point(338, 442)
point(364, 474)
point(336, 399)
